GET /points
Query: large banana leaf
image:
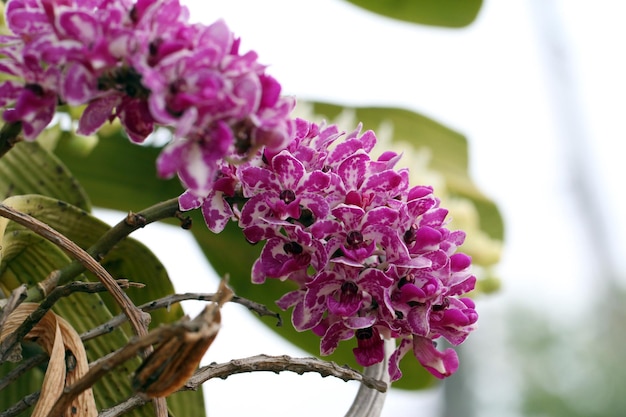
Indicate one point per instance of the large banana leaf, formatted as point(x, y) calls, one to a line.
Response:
point(117, 163)
point(446, 13)
point(27, 258)
point(30, 169)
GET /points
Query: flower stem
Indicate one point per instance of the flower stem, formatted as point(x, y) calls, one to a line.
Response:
point(369, 402)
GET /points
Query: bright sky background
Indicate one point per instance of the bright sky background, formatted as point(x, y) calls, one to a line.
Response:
point(495, 82)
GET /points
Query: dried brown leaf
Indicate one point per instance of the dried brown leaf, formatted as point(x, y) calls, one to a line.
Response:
point(68, 360)
point(174, 361)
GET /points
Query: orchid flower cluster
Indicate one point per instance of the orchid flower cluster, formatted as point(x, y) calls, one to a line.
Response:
point(145, 64)
point(368, 256)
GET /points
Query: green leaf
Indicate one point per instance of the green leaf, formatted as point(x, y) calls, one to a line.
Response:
point(446, 13)
point(28, 168)
point(118, 174)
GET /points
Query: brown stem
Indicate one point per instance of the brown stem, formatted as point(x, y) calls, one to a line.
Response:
point(124, 407)
point(160, 407)
point(167, 301)
point(24, 404)
point(253, 364)
point(105, 243)
point(279, 364)
point(26, 365)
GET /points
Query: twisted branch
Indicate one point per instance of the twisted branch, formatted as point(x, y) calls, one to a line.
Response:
point(256, 364)
point(24, 404)
point(279, 364)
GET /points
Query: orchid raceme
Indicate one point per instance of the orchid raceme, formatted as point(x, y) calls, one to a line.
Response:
point(370, 255)
point(145, 64)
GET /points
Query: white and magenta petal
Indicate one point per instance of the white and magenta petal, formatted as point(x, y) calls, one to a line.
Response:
point(440, 364)
point(216, 212)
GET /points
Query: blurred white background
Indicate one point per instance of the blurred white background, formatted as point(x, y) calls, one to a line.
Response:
point(537, 86)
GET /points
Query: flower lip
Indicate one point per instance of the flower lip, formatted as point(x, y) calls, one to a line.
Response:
point(364, 334)
point(370, 347)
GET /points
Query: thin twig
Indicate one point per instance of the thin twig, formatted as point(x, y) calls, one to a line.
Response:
point(21, 369)
point(167, 301)
point(24, 404)
point(124, 407)
point(9, 343)
point(258, 308)
point(24, 367)
point(279, 364)
point(135, 316)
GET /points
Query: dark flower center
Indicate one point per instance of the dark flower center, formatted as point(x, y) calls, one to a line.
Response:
point(126, 80)
point(349, 288)
point(35, 88)
point(355, 238)
point(364, 334)
point(153, 50)
point(243, 138)
point(134, 16)
point(293, 248)
point(414, 304)
point(402, 282)
point(444, 304)
point(410, 235)
point(287, 196)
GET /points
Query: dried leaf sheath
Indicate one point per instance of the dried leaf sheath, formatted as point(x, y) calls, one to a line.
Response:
point(59, 339)
point(174, 361)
